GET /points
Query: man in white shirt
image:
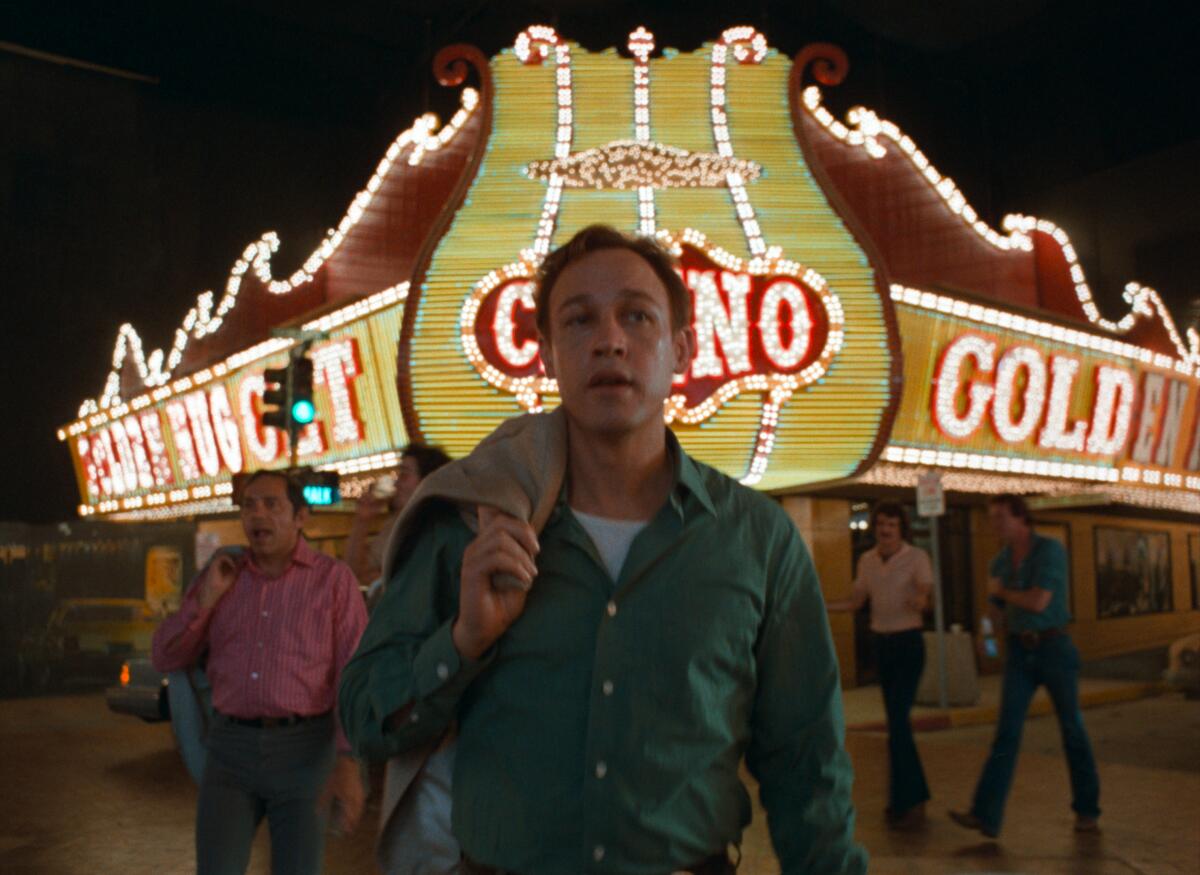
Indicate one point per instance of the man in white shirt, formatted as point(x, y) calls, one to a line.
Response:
point(897, 578)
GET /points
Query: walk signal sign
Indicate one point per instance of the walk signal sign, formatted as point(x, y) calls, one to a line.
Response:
point(320, 488)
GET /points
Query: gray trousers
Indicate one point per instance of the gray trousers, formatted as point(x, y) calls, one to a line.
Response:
point(273, 772)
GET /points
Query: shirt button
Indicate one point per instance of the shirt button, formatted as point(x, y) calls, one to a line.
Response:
point(443, 670)
point(415, 717)
point(607, 686)
point(601, 769)
point(598, 853)
point(265, 614)
point(612, 609)
point(254, 675)
point(260, 645)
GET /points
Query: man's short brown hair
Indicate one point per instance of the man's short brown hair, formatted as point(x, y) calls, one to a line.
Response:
point(291, 484)
point(1017, 506)
point(595, 238)
point(892, 510)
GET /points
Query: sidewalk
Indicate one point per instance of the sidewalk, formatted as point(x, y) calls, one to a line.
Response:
point(864, 705)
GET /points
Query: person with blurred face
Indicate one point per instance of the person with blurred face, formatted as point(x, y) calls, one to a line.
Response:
point(277, 622)
point(668, 622)
point(896, 578)
point(1027, 593)
point(364, 552)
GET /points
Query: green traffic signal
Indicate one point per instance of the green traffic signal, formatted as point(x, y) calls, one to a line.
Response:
point(303, 411)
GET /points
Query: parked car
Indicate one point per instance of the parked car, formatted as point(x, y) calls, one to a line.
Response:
point(86, 639)
point(1183, 665)
point(141, 691)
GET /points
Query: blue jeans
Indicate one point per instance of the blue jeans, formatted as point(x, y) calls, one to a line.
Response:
point(1054, 663)
point(251, 773)
point(901, 657)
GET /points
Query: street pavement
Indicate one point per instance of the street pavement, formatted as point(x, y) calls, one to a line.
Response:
point(88, 791)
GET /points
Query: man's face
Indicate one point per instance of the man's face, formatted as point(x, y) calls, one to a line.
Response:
point(612, 348)
point(408, 478)
point(1005, 526)
point(887, 532)
point(271, 524)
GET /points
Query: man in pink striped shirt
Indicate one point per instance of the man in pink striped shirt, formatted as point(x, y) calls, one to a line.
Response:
point(278, 622)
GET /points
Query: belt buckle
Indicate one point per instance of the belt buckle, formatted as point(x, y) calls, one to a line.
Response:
point(1030, 639)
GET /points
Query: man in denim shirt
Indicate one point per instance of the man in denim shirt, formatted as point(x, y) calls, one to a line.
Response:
point(1027, 589)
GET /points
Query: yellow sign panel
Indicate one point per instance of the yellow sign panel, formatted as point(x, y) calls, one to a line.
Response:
point(190, 437)
point(995, 391)
point(792, 384)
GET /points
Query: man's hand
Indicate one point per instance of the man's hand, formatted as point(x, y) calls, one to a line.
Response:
point(344, 787)
point(369, 507)
point(221, 574)
point(503, 545)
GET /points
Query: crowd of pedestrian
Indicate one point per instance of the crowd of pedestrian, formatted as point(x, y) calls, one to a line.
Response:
point(577, 635)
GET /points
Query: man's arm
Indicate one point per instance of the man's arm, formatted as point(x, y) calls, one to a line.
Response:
point(1033, 600)
point(406, 660)
point(796, 750)
point(358, 551)
point(345, 784)
point(180, 639)
point(922, 583)
point(349, 621)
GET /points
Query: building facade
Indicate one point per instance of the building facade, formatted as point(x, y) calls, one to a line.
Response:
point(857, 324)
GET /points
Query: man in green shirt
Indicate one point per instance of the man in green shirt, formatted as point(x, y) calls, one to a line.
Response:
point(1027, 590)
point(673, 623)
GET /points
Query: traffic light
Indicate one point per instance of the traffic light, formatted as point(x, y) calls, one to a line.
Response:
point(275, 410)
point(303, 410)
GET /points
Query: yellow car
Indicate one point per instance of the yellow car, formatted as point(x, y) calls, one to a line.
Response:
point(88, 639)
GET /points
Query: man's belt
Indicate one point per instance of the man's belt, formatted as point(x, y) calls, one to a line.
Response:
point(272, 722)
point(1030, 639)
point(717, 864)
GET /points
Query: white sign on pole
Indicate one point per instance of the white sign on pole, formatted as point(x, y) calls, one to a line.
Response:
point(931, 501)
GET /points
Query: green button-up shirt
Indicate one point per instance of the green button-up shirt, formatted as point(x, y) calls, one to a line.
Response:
point(1045, 566)
point(603, 731)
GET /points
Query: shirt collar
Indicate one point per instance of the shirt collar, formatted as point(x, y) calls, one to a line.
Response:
point(688, 476)
point(688, 479)
point(303, 554)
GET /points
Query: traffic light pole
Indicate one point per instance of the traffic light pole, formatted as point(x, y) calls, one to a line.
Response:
point(296, 353)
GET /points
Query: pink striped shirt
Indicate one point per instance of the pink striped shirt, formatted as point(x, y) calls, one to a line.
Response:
point(276, 646)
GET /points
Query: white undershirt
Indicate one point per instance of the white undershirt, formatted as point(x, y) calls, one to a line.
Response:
point(612, 538)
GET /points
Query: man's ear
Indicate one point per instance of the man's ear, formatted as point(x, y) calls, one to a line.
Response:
point(546, 355)
point(302, 516)
point(685, 348)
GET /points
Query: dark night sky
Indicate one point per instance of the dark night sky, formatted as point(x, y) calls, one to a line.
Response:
point(127, 192)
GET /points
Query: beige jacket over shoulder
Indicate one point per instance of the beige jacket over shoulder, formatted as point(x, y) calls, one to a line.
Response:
point(519, 469)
